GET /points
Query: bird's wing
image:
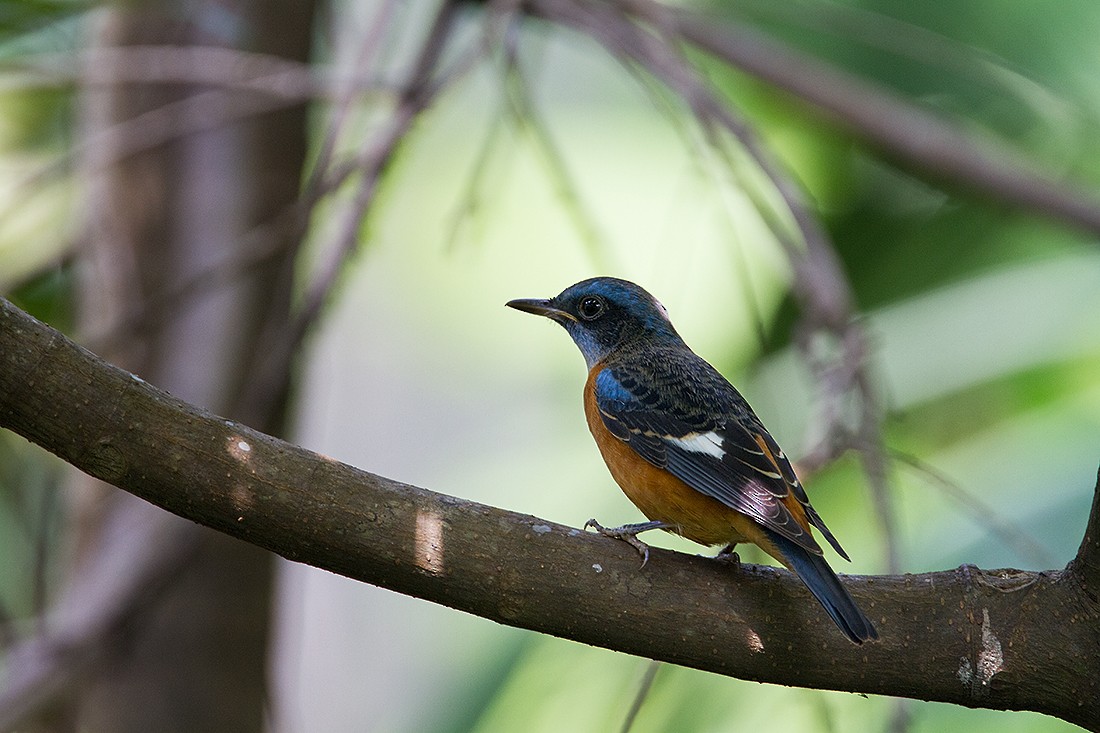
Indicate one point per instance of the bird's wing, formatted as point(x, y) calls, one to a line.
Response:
point(687, 419)
point(772, 449)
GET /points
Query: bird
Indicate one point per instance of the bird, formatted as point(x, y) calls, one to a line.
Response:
point(684, 445)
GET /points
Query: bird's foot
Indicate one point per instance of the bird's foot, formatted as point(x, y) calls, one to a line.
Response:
point(628, 533)
point(729, 555)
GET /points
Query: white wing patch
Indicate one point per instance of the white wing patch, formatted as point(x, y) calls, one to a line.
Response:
point(708, 443)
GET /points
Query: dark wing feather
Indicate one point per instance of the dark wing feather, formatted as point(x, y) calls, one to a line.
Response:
point(679, 396)
point(795, 485)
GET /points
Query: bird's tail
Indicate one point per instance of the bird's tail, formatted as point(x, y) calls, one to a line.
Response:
point(827, 589)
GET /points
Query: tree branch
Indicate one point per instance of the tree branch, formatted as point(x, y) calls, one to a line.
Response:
point(919, 140)
point(1086, 566)
point(972, 637)
point(271, 370)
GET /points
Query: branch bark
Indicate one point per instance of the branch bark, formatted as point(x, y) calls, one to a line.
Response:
point(980, 638)
point(1086, 565)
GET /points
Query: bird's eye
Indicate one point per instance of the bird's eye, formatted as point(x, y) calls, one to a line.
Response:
point(590, 308)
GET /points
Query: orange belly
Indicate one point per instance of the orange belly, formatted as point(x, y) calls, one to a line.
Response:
point(663, 497)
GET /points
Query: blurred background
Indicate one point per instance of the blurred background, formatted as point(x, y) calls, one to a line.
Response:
point(307, 216)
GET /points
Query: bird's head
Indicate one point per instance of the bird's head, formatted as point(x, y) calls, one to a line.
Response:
point(604, 314)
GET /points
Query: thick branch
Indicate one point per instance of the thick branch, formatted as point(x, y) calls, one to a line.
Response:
point(972, 637)
point(1086, 566)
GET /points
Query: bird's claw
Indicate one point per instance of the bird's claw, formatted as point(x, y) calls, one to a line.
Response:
point(729, 555)
point(626, 533)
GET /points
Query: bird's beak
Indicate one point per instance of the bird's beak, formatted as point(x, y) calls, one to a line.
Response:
point(540, 307)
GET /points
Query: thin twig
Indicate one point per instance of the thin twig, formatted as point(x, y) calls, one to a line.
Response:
point(644, 686)
point(525, 113)
point(919, 139)
point(272, 369)
point(499, 30)
point(925, 46)
point(367, 51)
point(202, 111)
point(1010, 533)
point(213, 66)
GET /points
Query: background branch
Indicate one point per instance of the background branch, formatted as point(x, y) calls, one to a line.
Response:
point(918, 139)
